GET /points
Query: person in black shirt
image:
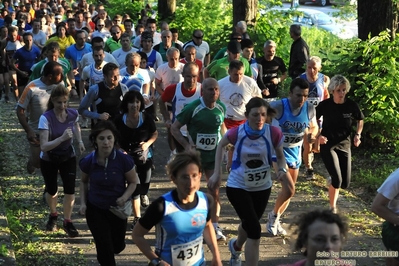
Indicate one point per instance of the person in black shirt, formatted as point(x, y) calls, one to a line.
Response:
point(335, 146)
point(299, 53)
point(274, 70)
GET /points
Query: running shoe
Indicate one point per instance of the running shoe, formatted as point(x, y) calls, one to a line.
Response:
point(70, 229)
point(235, 259)
point(145, 201)
point(52, 223)
point(6, 99)
point(273, 225)
point(310, 174)
point(219, 234)
point(334, 210)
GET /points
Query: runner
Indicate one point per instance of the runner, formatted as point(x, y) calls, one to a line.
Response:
point(181, 218)
point(179, 95)
point(204, 119)
point(318, 84)
point(297, 120)
point(249, 182)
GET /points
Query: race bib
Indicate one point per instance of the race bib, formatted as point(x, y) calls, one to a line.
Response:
point(293, 139)
point(257, 177)
point(206, 142)
point(187, 254)
point(314, 101)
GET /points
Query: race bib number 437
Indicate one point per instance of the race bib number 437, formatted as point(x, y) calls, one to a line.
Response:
point(187, 254)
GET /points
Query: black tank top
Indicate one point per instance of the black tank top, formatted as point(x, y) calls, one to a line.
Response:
point(110, 99)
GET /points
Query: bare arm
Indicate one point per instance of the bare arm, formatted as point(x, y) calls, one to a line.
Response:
point(207, 60)
point(380, 207)
point(78, 135)
point(132, 180)
point(175, 130)
point(138, 237)
point(30, 133)
point(164, 112)
point(158, 86)
point(359, 129)
point(148, 143)
point(210, 239)
point(214, 180)
point(46, 145)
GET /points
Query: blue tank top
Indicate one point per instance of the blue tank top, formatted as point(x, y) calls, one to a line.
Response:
point(316, 89)
point(179, 234)
point(293, 128)
point(152, 59)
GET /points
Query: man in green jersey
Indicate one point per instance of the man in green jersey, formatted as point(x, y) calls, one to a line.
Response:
point(204, 119)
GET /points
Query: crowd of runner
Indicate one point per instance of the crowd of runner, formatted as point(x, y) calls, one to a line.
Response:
point(219, 110)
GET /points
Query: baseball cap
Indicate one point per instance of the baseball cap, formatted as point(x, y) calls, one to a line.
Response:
point(234, 47)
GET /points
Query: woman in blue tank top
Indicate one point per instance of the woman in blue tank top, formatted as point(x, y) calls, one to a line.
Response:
point(181, 218)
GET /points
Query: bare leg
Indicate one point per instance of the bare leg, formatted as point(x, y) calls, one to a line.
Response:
point(136, 207)
point(333, 194)
point(69, 201)
point(307, 154)
point(286, 193)
point(252, 252)
point(215, 194)
point(52, 202)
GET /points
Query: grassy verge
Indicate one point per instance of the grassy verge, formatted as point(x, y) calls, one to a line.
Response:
point(26, 213)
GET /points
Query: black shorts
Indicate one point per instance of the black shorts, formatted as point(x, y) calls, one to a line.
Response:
point(23, 81)
point(3, 69)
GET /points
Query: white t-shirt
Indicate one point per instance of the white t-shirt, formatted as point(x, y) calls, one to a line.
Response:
point(236, 95)
point(88, 59)
point(390, 190)
point(169, 76)
point(202, 49)
point(120, 55)
point(40, 37)
point(94, 75)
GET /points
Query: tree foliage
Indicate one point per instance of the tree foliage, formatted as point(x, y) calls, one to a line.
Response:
point(373, 70)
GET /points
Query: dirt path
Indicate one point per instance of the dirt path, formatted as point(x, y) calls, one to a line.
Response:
point(273, 250)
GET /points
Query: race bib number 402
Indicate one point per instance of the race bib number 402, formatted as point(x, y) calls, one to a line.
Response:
point(206, 142)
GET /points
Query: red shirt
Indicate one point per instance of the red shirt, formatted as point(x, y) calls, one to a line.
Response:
point(170, 91)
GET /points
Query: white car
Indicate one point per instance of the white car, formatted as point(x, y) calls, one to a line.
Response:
point(328, 2)
point(323, 21)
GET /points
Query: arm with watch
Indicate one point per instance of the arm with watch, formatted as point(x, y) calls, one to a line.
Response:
point(359, 128)
point(138, 237)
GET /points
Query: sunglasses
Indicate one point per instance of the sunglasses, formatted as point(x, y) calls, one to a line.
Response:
point(198, 37)
point(115, 32)
point(100, 25)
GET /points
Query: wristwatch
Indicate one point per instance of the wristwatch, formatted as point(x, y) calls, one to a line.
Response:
point(282, 170)
point(155, 262)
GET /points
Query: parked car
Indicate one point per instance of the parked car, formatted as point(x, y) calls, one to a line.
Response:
point(328, 2)
point(315, 18)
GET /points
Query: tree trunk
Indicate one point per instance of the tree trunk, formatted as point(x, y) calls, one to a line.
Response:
point(376, 16)
point(166, 9)
point(245, 10)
